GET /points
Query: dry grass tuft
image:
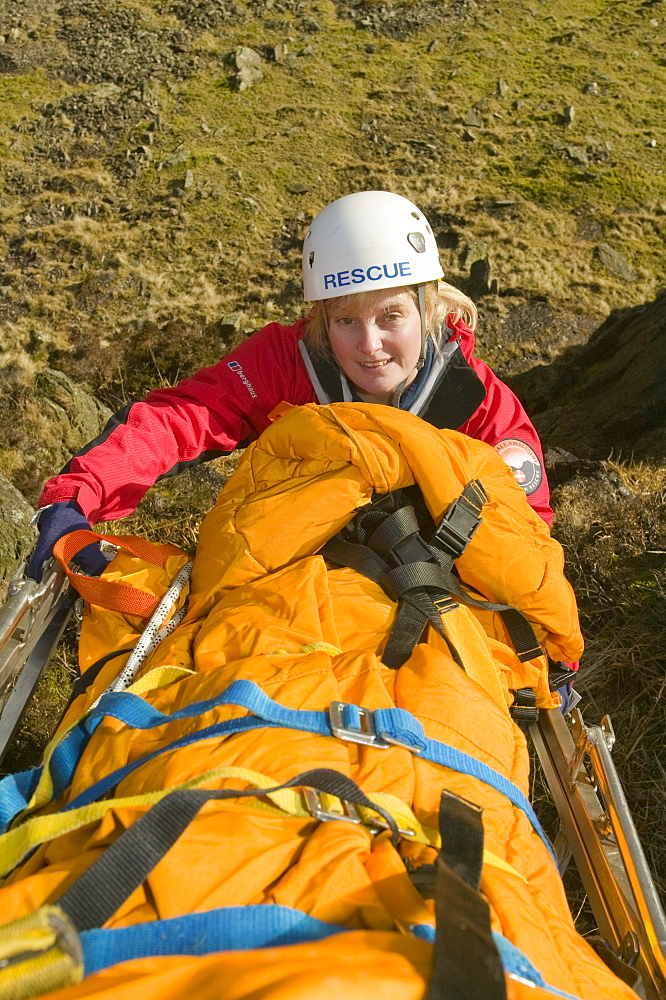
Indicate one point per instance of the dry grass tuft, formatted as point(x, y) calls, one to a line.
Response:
point(615, 543)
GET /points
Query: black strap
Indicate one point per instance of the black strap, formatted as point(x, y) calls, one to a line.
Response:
point(524, 706)
point(395, 531)
point(386, 545)
point(357, 557)
point(466, 962)
point(102, 889)
point(83, 682)
point(414, 576)
point(405, 633)
point(559, 674)
point(521, 633)
point(627, 973)
point(461, 831)
point(456, 395)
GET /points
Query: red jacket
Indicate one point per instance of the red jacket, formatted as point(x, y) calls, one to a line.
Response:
point(228, 404)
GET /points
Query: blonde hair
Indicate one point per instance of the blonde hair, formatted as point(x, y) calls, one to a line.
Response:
point(444, 303)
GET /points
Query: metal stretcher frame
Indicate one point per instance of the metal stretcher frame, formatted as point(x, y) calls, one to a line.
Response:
point(32, 621)
point(600, 834)
point(595, 820)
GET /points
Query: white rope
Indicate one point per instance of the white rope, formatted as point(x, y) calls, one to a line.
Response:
point(155, 631)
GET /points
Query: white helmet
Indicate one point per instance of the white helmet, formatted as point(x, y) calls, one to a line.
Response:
point(368, 240)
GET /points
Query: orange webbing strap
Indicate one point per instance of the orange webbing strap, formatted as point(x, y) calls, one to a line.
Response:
point(111, 594)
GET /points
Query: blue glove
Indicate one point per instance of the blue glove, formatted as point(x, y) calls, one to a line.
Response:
point(54, 522)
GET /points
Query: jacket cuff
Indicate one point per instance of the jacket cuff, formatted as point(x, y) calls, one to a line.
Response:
point(60, 489)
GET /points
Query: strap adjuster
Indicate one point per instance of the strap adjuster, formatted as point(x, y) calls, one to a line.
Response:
point(447, 537)
point(349, 814)
point(444, 604)
point(357, 725)
point(314, 802)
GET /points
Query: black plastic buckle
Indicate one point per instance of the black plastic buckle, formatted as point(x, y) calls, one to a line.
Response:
point(559, 674)
point(412, 549)
point(524, 706)
point(447, 537)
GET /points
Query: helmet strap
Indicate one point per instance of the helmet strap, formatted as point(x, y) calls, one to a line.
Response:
point(421, 292)
point(397, 393)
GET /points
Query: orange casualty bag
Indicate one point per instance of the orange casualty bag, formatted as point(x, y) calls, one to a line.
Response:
point(309, 783)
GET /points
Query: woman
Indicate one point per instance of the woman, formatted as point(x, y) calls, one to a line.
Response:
point(382, 329)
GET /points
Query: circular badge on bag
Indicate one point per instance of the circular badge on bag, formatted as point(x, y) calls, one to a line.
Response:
point(523, 461)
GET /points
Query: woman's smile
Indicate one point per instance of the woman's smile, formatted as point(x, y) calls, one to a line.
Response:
point(379, 348)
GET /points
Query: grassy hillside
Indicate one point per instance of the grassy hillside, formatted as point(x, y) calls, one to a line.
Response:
point(145, 197)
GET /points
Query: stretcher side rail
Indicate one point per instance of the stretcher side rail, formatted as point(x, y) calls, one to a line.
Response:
point(601, 836)
point(32, 621)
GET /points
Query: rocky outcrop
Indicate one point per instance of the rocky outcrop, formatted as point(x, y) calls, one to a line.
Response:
point(609, 396)
point(16, 535)
point(41, 426)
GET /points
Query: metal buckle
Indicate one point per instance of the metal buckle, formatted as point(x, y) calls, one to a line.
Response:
point(368, 734)
point(314, 804)
point(375, 823)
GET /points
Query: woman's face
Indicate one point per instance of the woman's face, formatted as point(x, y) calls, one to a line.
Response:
point(377, 349)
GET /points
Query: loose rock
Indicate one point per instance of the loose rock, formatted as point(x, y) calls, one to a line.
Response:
point(577, 154)
point(248, 67)
point(474, 118)
point(615, 262)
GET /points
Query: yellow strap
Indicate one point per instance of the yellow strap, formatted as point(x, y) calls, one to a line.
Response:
point(39, 953)
point(495, 862)
point(16, 843)
point(320, 647)
point(42, 973)
point(159, 677)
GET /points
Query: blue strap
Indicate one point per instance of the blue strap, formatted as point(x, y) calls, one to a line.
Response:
point(514, 961)
point(236, 928)
point(517, 964)
point(133, 711)
point(110, 781)
point(392, 722)
point(389, 722)
point(15, 793)
point(229, 929)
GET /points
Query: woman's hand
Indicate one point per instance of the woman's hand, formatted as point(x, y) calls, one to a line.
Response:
point(55, 521)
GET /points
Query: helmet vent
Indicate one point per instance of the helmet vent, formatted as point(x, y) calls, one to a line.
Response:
point(417, 240)
point(311, 256)
point(415, 215)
